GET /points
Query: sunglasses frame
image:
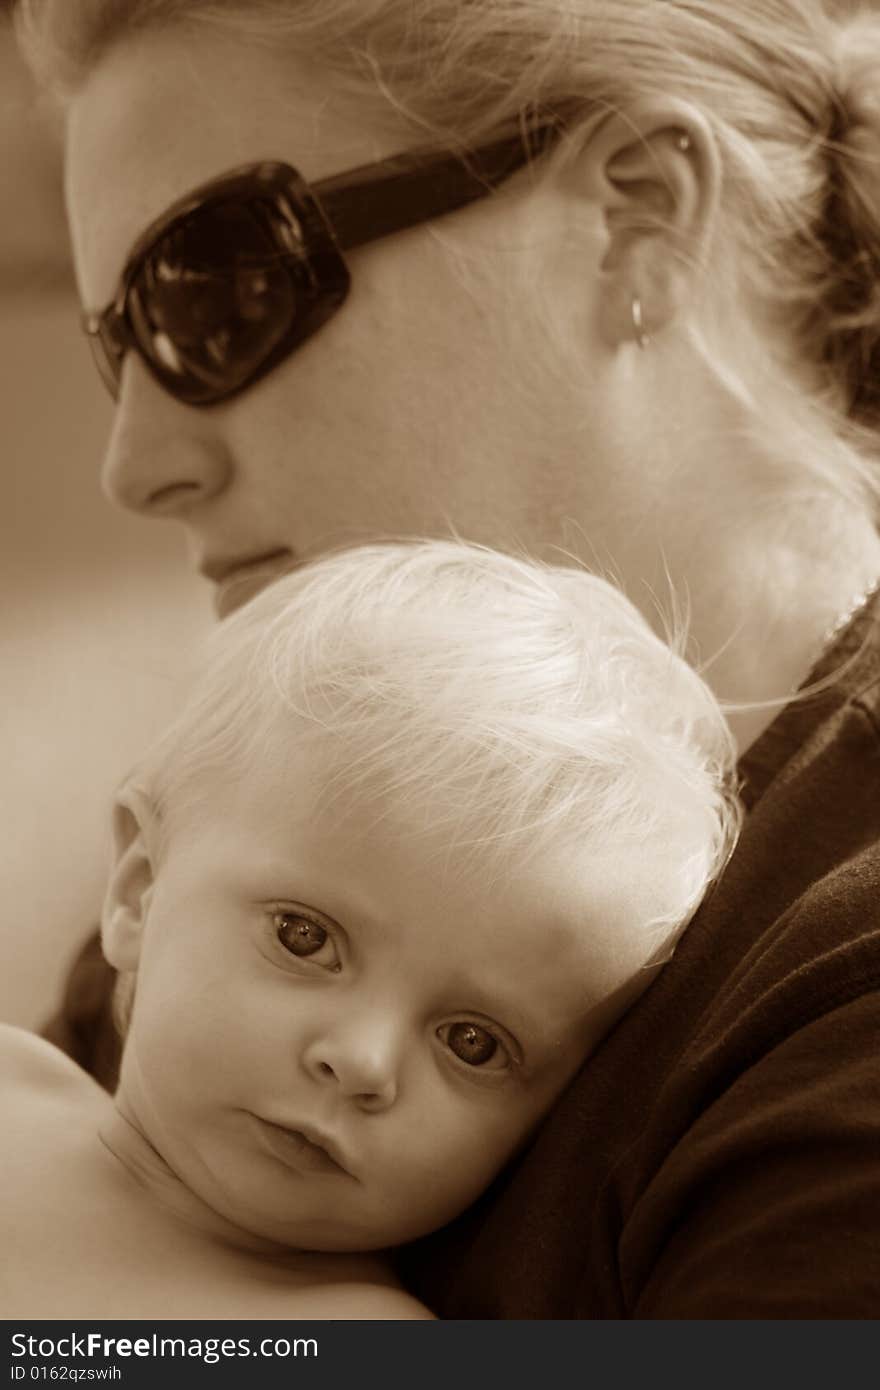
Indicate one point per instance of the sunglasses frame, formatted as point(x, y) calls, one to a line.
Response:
point(326, 218)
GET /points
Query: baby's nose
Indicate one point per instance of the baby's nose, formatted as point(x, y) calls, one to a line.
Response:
point(360, 1059)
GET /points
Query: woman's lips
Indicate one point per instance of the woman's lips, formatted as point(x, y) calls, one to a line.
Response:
point(238, 583)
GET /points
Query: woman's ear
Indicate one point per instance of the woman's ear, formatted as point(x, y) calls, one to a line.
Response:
point(130, 887)
point(655, 171)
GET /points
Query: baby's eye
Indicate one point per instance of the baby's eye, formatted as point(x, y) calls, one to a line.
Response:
point(305, 938)
point(475, 1045)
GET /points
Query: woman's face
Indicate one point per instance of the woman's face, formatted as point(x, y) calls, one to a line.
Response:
point(416, 410)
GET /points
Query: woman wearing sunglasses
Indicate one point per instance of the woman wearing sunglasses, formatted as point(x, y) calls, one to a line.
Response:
point(590, 277)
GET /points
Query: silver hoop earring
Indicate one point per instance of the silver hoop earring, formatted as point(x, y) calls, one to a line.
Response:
point(639, 323)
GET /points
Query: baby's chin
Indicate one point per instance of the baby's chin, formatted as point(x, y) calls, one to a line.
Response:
point(322, 1225)
point(324, 1234)
point(235, 1196)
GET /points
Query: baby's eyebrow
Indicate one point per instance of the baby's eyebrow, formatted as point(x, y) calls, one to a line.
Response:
point(511, 1013)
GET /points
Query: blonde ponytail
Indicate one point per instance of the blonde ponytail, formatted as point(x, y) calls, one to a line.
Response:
point(852, 220)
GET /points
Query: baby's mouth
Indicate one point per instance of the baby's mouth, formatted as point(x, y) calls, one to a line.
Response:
point(305, 1153)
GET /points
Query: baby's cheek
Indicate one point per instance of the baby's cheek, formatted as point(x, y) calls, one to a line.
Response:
point(452, 1155)
point(175, 1040)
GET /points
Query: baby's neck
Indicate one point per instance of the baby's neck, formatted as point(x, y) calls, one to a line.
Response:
point(129, 1147)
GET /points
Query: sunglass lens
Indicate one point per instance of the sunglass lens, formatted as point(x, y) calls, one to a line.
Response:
point(212, 301)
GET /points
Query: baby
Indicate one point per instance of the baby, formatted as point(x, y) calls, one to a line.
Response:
point(431, 821)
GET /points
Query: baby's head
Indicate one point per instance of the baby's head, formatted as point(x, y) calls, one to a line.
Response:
point(430, 820)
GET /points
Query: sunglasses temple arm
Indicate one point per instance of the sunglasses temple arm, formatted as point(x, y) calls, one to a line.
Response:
point(407, 193)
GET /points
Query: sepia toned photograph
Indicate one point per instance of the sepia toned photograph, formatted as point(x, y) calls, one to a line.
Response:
point(440, 667)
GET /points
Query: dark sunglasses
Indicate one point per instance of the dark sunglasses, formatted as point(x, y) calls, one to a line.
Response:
point(236, 275)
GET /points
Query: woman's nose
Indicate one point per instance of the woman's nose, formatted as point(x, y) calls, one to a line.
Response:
point(361, 1059)
point(163, 459)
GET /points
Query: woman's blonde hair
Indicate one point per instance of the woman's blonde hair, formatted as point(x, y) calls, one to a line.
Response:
point(789, 88)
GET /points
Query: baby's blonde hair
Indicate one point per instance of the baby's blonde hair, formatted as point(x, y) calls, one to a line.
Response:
point(490, 704)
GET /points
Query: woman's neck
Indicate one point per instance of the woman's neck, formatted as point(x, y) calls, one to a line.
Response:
point(761, 613)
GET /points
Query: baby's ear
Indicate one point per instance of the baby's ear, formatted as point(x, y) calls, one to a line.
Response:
point(130, 887)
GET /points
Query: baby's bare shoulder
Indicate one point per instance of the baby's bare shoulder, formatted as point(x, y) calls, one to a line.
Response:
point(355, 1287)
point(360, 1302)
point(32, 1067)
point(333, 1287)
point(47, 1103)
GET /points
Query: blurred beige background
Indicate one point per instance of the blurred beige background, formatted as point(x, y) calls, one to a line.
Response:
point(98, 609)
